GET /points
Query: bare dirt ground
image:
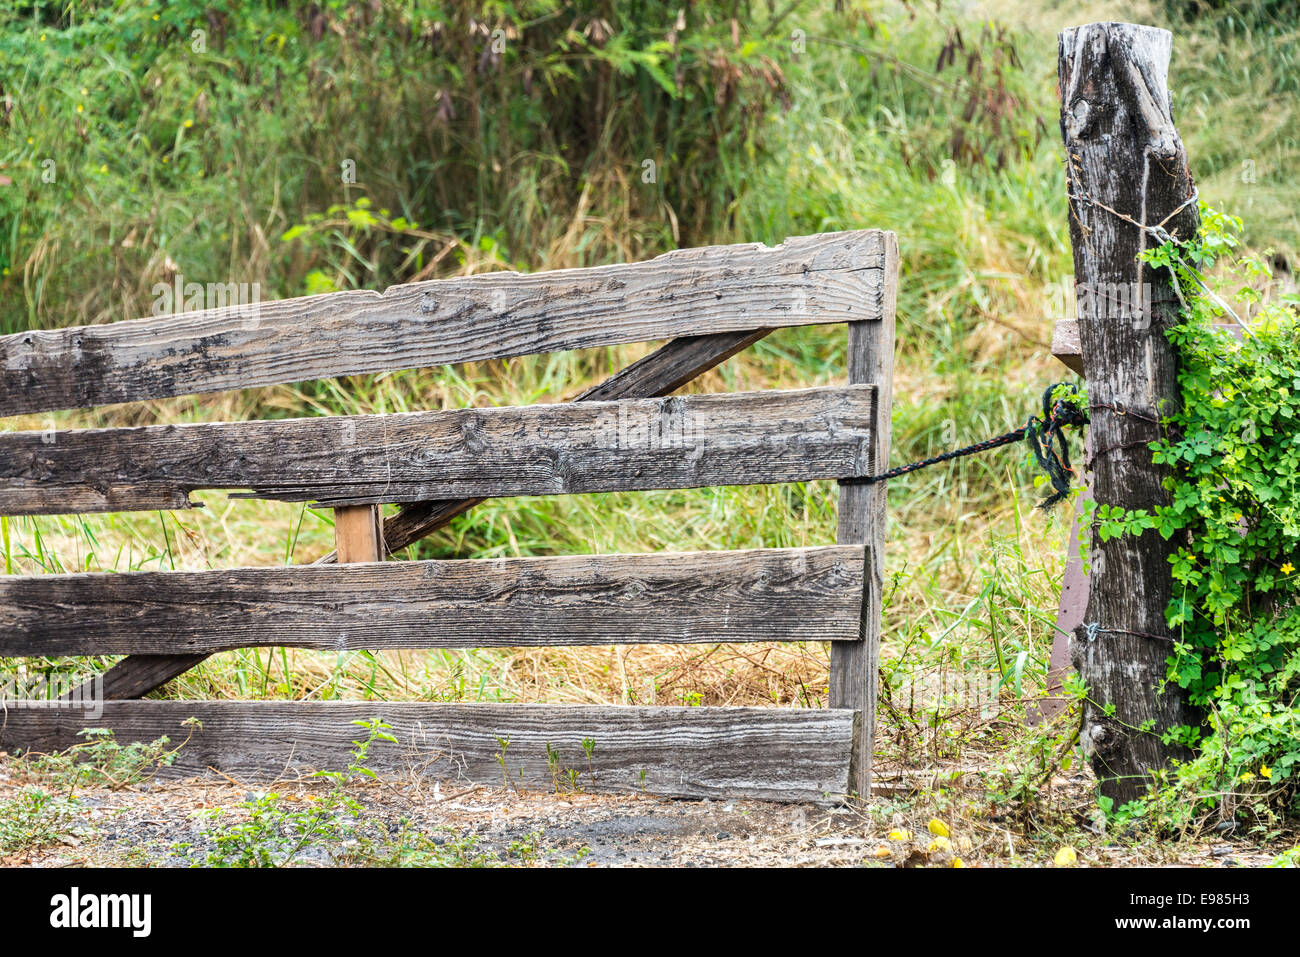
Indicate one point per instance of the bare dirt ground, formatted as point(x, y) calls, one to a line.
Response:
point(167, 823)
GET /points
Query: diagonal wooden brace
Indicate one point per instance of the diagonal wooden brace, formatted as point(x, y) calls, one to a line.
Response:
point(661, 373)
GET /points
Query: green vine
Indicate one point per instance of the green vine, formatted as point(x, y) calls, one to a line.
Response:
point(1234, 510)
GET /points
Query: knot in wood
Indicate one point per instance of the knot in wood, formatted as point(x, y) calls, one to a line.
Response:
point(1077, 124)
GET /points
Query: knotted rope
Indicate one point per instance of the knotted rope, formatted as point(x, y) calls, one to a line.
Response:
point(1044, 433)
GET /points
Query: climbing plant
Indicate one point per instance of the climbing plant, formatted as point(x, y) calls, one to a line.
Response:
point(1234, 510)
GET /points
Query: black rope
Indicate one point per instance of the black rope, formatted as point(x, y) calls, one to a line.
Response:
point(1044, 433)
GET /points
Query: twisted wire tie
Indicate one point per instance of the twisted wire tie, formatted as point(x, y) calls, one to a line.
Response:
point(1163, 236)
point(1092, 629)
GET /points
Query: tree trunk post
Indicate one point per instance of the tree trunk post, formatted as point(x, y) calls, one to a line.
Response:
point(1125, 166)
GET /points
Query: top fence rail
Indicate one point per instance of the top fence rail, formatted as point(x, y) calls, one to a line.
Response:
point(827, 278)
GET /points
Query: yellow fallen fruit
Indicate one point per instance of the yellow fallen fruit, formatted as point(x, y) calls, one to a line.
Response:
point(957, 862)
point(938, 827)
point(900, 835)
point(882, 851)
point(1066, 857)
point(940, 844)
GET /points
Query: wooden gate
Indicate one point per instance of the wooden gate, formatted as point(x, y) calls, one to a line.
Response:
point(625, 434)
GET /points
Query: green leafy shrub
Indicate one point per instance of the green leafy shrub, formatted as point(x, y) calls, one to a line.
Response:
point(34, 818)
point(42, 814)
point(1234, 510)
point(273, 835)
point(100, 761)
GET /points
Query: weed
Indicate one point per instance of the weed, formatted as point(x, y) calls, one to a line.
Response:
point(34, 818)
point(273, 835)
point(42, 814)
point(503, 745)
point(333, 828)
point(101, 761)
point(411, 848)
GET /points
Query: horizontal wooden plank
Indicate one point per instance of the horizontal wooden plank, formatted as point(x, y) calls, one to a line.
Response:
point(797, 594)
point(832, 277)
point(661, 372)
point(1066, 347)
point(674, 442)
point(1065, 344)
point(771, 754)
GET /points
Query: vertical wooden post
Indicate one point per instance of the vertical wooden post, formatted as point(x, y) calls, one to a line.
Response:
point(359, 533)
point(1125, 166)
point(854, 665)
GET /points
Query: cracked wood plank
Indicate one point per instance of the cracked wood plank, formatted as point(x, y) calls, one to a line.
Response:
point(742, 438)
point(771, 754)
point(796, 594)
point(831, 277)
point(1124, 156)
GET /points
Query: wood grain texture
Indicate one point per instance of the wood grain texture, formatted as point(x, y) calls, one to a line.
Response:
point(1123, 152)
point(633, 444)
point(359, 534)
point(1065, 344)
point(833, 277)
point(854, 668)
point(134, 677)
point(660, 373)
point(797, 594)
point(764, 753)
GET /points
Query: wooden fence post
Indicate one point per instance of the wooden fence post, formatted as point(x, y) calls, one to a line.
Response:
point(359, 534)
point(1125, 166)
point(854, 666)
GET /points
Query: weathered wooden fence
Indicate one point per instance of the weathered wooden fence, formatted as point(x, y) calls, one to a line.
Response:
point(624, 434)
